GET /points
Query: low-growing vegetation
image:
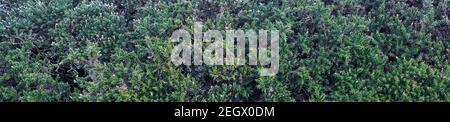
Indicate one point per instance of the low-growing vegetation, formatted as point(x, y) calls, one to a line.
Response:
point(119, 50)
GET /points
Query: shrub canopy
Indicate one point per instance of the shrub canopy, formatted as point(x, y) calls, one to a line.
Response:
point(119, 50)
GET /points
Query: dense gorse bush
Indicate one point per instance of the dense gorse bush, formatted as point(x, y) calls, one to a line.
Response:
point(119, 50)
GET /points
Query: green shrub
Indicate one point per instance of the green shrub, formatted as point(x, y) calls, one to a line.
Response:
point(119, 50)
